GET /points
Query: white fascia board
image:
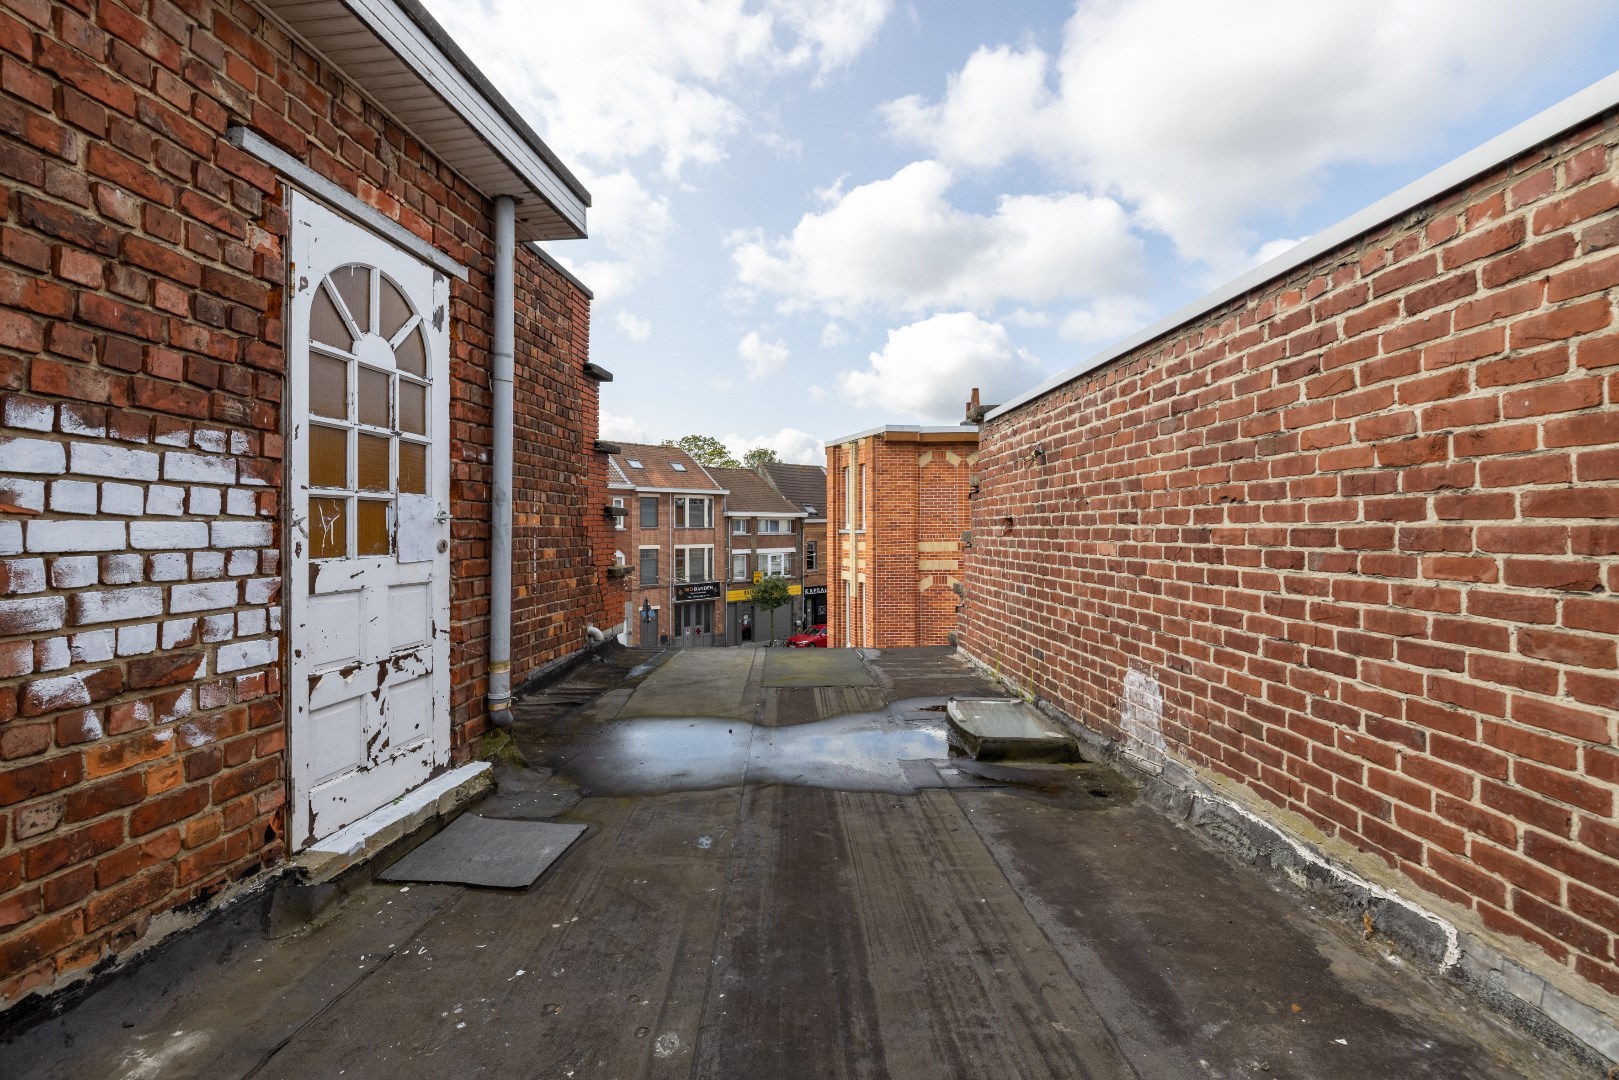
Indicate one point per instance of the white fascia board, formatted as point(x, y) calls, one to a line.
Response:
point(1571, 112)
point(761, 514)
point(681, 491)
point(907, 429)
point(405, 38)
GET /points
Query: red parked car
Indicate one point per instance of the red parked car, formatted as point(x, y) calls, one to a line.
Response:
point(814, 639)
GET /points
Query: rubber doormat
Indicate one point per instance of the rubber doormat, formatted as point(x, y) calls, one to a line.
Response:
point(486, 851)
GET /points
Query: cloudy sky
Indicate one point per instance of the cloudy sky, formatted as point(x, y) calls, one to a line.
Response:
point(812, 217)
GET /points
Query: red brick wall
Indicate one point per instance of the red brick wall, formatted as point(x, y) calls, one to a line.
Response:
point(916, 511)
point(1354, 537)
point(141, 377)
point(630, 542)
point(561, 543)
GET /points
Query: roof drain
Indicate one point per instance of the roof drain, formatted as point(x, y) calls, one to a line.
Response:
point(500, 524)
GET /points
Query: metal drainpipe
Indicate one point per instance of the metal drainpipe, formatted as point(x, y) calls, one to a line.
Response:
point(500, 525)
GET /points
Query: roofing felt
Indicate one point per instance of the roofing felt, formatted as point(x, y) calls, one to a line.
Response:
point(803, 485)
point(751, 493)
point(658, 468)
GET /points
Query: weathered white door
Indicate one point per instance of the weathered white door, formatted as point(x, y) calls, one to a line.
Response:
point(368, 576)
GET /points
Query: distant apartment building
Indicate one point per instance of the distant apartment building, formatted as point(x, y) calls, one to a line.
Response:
point(763, 531)
point(671, 540)
point(896, 511)
point(805, 487)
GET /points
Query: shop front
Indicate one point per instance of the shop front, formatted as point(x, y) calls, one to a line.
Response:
point(694, 613)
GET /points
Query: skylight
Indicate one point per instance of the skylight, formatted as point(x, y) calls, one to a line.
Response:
point(677, 466)
point(634, 464)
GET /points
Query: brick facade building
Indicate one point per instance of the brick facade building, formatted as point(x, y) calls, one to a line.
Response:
point(763, 538)
point(1340, 545)
point(805, 487)
point(251, 318)
point(896, 510)
point(672, 540)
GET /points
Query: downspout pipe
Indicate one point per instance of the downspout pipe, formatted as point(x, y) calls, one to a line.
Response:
point(500, 525)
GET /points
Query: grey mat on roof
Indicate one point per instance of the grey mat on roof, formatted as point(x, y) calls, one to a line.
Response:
point(486, 851)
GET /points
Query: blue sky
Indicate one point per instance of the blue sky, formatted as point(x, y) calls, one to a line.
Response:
point(812, 217)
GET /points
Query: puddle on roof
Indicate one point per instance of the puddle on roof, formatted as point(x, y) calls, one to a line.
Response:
point(900, 750)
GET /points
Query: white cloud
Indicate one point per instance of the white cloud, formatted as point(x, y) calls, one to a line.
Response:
point(763, 357)
point(900, 244)
point(1105, 321)
point(632, 326)
point(613, 81)
point(791, 445)
point(627, 428)
point(1202, 115)
point(833, 334)
point(928, 369)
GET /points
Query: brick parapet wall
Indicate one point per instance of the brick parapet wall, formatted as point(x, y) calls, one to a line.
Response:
point(141, 293)
point(1351, 541)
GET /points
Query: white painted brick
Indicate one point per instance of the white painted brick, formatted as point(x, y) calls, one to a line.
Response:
point(73, 497)
point(93, 646)
point(122, 569)
point(261, 590)
point(76, 536)
point(181, 707)
point(275, 619)
point(168, 534)
point(242, 563)
point(213, 594)
point(28, 415)
point(163, 501)
point(10, 537)
point(247, 654)
point(238, 442)
point(54, 695)
point(116, 605)
point(74, 571)
point(176, 631)
point(242, 534)
point(125, 499)
point(32, 457)
point(170, 566)
point(240, 502)
point(72, 424)
point(218, 627)
point(34, 614)
point(137, 640)
point(251, 623)
point(206, 565)
point(24, 576)
point(52, 654)
point(90, 726)
point(198, 468)
point(213, 695)
point(174, 437)
point(117, 462)
point(213, 440)
point(206, 501)
point(29, 494)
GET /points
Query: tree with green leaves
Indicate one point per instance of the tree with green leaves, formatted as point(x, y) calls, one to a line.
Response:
point(705, 450)
point(760, 455)
point(770, 593)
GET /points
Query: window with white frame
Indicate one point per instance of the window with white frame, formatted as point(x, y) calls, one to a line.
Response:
point(693, 512)
point(618, 519)
point(810, 556)
point(694, 563)
point(777, 563)
point(649, 566)
point(777, 526)
point(739, 567)
point(739, 526)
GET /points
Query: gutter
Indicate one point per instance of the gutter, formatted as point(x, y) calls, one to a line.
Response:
point(500, 509)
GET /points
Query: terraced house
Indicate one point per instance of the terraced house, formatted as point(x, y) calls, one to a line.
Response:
point(269, 320)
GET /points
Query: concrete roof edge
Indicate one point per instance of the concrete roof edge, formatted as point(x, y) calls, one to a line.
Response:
point(1596, 99)
point(907, 429)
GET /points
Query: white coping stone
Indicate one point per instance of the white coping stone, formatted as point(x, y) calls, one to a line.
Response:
point(351, 839)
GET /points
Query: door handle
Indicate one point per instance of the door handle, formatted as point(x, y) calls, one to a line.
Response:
point(443, 515)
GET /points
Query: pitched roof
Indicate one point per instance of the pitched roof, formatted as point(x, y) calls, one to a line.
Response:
point(658, 468)
point(803, 485)
point(751, 494)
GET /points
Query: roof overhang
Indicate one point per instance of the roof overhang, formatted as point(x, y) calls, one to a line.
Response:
point(403, 60)
point(911, 433)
